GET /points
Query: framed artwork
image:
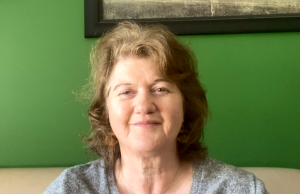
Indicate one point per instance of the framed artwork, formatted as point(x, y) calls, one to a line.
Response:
point(195, 16)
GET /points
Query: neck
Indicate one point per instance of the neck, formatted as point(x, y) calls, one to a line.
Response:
point(147, 173)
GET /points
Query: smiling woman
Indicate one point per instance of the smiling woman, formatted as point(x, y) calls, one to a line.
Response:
point(141, 107)
point(147, 114)
point(137, 57)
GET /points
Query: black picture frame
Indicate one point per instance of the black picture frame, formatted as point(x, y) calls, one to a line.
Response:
point(95, 25)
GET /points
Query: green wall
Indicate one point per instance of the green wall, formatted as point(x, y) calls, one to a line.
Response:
point(252, 82)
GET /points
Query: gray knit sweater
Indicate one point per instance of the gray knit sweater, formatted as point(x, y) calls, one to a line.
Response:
point(209, 177)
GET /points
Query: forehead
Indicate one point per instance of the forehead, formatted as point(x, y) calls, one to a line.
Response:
point(132, 71)
point(135, 67)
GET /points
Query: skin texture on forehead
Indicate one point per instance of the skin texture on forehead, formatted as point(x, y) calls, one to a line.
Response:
point(133, 57)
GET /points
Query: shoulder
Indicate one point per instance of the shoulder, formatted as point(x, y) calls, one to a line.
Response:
point(78, 179)
point(212, 176)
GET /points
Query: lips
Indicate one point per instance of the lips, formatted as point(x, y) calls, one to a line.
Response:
point(146, 123)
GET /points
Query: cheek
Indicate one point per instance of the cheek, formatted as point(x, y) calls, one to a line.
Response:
point(177, 116)
point(173, 113)
point(178, 108)
point(118, 113)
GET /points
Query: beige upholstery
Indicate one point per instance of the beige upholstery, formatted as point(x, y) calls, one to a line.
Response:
point(36, 180)
point(278, 180)
point(27, 180)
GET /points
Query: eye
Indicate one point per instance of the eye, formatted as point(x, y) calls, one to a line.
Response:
point(161, 90)
point(126, 93)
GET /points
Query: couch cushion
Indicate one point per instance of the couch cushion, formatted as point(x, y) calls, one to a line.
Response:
point(27, 180)
point(278, 180)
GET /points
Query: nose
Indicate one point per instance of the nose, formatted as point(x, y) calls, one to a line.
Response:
point(144, 103)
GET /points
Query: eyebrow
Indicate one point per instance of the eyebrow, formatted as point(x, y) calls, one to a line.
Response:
point(161, 80)
point(127, 84)
point(121, 84)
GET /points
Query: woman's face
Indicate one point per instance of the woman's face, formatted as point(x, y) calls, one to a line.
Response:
point(145, 110)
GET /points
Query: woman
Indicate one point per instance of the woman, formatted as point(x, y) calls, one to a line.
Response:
point(147, 114)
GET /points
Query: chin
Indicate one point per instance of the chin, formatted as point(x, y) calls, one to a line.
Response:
point(145, 147)
point(149, 146)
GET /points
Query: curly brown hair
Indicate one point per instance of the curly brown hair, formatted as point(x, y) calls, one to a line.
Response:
point(175, 61)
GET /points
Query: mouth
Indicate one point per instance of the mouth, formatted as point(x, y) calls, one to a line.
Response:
point(146, 123)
